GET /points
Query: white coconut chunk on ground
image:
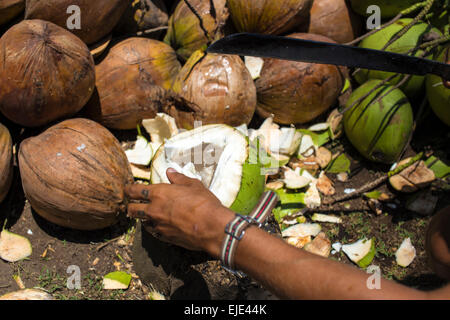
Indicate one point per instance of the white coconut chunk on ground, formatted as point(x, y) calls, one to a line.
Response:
point(312, 196)
point(360, 252)
point(27, 294)
point(285, 141)
point(319, 217)
point(302, 230)
point(293, 179)
point(307, 147)
point(142, 152)
point(116, 280)
point(160, 128)
point(254, 66)
point(405, 253)
point(14, 247)
point(337, 246)
point(319, 126)
point(140, 172)
point(217, 152)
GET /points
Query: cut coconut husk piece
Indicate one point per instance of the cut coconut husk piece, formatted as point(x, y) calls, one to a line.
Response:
point(98, 48)
point(140, 172)
point(413, 178)
point(440, 169)
point(307, 147)
point(142, 152)
point(325, 185)
point(312, 196)
point(335, 121)
point(254, 66)
point(275, 185)
point(116, 280)
point(14, 247)
point(405, 253)
point(323, 157)
point(298, 242)
point(219, 156)
point(27, 294)
point(321, 245)
point(160, 128)
point(361, 252)
point(294, 179)
point(302, 230)
point(318, 217)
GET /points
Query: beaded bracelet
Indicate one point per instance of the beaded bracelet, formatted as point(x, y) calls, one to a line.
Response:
point(235, 229)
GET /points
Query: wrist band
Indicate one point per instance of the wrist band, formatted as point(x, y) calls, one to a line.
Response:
point(235, 230)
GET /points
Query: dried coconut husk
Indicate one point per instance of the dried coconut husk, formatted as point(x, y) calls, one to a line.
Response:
point(98, 18)
point(74, 175)
point(9, 9)
point(268, 16)
point(298, 92)
point(334, 19)
point(132, 82)
point(6, 161)
point(46, 73)
point(187, 33)
point(221, 86)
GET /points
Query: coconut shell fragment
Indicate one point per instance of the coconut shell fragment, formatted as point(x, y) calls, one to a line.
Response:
point(97, 18)
point(297, 92)
point(131, 83)
point(46, 73)
point(6, 161)
point(74, 174)
point(413, 178)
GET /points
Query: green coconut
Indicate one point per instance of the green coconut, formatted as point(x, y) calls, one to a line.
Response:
point(389, 8)
point(185, 32)
point(438, 94)
point(219, 156)
point(379, 130)
point(411, 39)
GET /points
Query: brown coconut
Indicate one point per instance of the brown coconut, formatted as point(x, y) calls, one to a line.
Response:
point(46, 73)
point(221, 86)
point(334, 19)
point(6, 161)
point(268, 16)
point(98, 18)
point(74, 175)
point(131, 83)
point(9, 9)
point(297, 92)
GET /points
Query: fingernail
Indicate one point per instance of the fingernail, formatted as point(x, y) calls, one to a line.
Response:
point(171, 170)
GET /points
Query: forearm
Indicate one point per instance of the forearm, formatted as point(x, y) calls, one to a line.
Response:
point(296, 274)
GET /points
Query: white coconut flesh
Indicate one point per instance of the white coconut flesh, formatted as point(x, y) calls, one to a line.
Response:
point(27, 294)
point(141, 154)
point(406, 253)
point(213, 154)
point(302, 230)
point(358, 250)
point(14, 247)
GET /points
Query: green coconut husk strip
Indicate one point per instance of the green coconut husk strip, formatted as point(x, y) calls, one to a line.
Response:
point(116, 280)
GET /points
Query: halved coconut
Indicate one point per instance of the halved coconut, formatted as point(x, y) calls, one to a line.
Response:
point(14, 247)
point(406, 253)
point(361, 252)
point(27, 294)
point(218, 155)
point(116, 280)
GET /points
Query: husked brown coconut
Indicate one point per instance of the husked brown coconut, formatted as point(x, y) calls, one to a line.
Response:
point(221, 86)
point(6, 162)
point(46, 73)
point(297, 92)
point(132, 83)
point(74, 174)
point(268, 16)
point(97, 17)
point(9, 9)
point(334, 19)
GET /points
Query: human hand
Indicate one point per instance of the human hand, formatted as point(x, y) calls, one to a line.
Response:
point(185, 213)
point(438, 243)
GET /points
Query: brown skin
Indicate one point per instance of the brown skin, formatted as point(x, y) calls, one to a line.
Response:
point(46, 73)
point(74, 174)
point(187, 214)
point(98, 18)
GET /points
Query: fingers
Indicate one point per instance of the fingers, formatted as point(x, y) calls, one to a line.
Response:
point(139, 211)
point(138, 191)
point(178, 178)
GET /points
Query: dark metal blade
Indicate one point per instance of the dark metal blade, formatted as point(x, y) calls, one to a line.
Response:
point(266, 46)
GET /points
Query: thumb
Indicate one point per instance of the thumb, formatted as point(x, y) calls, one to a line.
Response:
point(179, 178)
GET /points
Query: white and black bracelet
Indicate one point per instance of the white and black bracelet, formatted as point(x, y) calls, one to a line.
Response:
point(235, 230)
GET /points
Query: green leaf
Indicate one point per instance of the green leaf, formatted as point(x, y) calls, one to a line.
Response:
point(340, 164)
point(440, 169)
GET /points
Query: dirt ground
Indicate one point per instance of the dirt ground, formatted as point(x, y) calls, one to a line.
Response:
point(97, 253)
